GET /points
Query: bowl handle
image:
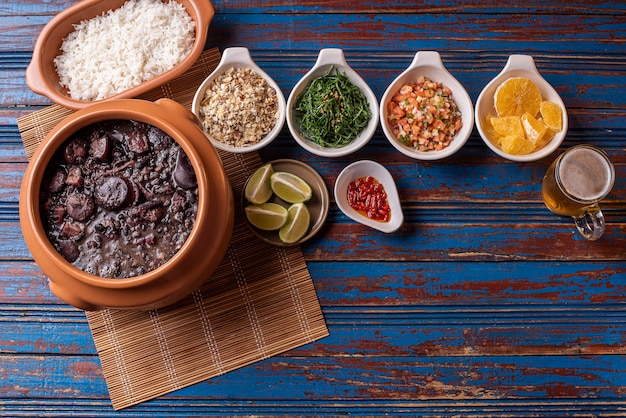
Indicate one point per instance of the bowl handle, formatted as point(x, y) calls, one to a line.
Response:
point(520, 62)
point(33, 76)
point(236, 54)
point(175, 110)
point(72, 298)
point(331, 56)
point(427, 58)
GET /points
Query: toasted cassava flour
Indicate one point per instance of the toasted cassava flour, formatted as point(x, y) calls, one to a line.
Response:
point(239, 107)
point(122, 48)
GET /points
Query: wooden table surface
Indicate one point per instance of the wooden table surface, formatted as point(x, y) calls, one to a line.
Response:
point(483, 304)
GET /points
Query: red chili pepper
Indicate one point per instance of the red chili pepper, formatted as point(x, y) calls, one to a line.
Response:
point(367, 195)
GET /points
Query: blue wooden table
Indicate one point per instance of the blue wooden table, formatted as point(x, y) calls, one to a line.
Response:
point(483, 304)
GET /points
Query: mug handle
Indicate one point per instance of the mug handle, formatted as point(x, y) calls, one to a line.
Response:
point(590, 223)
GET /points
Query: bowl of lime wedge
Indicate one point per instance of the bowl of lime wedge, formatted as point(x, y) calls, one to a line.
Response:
point(285, 202)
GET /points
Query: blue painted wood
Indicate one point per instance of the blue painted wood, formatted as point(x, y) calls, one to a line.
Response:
point(460, 283)
point(421, 241)
point(350, 380)
point(483, 304)
point(579, 7)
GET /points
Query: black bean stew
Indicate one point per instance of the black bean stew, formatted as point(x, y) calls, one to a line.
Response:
point(119, 199)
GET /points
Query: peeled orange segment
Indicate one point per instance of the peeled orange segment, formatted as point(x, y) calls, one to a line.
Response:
point(266, 216)
point(507, 125)
point(551, 114)
point(545, 139)
point(517, 145)
point(534, 129)
point(290, 188)
point(491, 132)
point(258, 189)
point(516, 96)
point(489, 124)
point(297, 224)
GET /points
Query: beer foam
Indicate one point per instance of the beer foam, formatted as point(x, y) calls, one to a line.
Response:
point(585, 174)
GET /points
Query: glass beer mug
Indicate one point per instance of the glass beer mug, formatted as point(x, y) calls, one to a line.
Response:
point(574, 184)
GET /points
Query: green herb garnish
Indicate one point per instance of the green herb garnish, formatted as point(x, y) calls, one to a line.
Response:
point(332, 110)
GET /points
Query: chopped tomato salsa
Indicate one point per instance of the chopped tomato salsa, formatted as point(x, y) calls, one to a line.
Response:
point(424, 116)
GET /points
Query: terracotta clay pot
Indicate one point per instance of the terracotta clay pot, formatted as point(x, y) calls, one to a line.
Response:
point(41, 75)
point(189, 267)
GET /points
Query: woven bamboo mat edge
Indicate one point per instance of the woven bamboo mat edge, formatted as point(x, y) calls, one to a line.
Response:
point(260, 301)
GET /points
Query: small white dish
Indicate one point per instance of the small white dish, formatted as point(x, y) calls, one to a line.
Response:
point(239, 57)
point(381, 174)
point(429, 65)
point(519, 66)
point(328, 59)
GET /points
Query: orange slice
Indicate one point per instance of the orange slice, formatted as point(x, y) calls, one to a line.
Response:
point(534, 129)
point(516, 96)
point(551, 114)
point(517, 145)
point(507, 125)
point(490, 131)
point(545, 139)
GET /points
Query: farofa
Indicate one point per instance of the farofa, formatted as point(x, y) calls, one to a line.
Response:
point(239, 108)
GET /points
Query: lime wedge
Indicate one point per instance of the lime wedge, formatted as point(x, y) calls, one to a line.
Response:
point(297, 224)
point(266, 216)
point(258, 189)
point(290, 188)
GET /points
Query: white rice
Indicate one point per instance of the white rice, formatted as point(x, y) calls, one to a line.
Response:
point(122, 48)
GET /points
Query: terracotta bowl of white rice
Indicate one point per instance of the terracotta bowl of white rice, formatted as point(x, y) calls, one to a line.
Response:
point(96, 50)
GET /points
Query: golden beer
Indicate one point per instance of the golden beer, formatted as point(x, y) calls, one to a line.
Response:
point(574, 184)
point(577, 180)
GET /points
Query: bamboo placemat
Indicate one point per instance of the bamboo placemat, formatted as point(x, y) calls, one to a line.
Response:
point(258, 303)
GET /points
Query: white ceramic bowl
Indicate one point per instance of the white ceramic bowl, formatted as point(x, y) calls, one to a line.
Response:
point(331, 58)
point(429, 65)
point(239, 57)
point(519, 66)
point(369, 168)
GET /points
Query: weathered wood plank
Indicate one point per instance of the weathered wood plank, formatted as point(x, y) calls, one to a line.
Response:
point(32, 7)
point(400, 330)
point(386, 378)
point(462, 285)
point(468, 242)
point(453, 284)
point(473, 33)
point(429, 242)
point(24, 283)
point(172, 407)
point(12, 176)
